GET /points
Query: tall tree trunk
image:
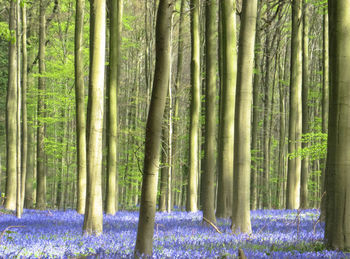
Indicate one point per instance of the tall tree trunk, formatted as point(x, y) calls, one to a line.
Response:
point(41, 171)
point(227, 109)
point(305, 110)
point(114, 79)
point(191, 203)
point(145, 228)
point(24, 143)
point(11, 116)
point(80, 106)
point(93, 212)
point(325, 104)
point(337, 229)
point(295, 120)
point(210, 112)
point(255, 123)
point(242, 159)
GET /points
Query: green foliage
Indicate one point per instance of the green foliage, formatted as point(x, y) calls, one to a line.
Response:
point(316, 148)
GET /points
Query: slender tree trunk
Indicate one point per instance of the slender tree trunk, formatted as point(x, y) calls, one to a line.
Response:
point(114, 81)
point(255, 123)
point(227, 109)
point(242, 159)
point(191, 203)
point(305, 110)
point(24, 143)
point(80, 106)
point(153, 131)
point(337, 229)
point(19, 100)
point(325, 104)
point(41, 171)
point(11, 117)
point(295, 118)
point(210, 113)
point(93, 211)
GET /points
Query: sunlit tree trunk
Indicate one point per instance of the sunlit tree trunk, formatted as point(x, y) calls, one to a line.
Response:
point(93, 212)
point(305, 110)
point(80, 106)
point(24, 143)
point(242, 159)
point(295, 117)
point(11, 116)
point(191, 203)
point(227, 109)
point(41, 171)
point(337, 182)
point(114, 79)
point(145, 228)
point(210, 112)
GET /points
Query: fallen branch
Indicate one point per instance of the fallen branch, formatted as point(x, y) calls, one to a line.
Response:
point(3, 232)
point(212, 224)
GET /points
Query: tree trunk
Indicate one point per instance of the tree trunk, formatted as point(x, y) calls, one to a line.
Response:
point(242, 159)
point(24, 148)
point(41, 171)
point(227, 109)
point(305, 110)
point(337, 229)
point(191, 203)
point(11, 117)
point(93, 212)
point(153, 131)
point(210, 113)
point(295, 118)
point(114, 79)
point(80, 106)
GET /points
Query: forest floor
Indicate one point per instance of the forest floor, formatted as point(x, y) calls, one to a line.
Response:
point(58, 234)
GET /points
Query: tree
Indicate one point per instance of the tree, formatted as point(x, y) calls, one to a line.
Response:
point(295, 117)
point(41, 171)
point(80, 106)
point(191, 204)
point(337, 180)
point(11, 116)
point(228, 95)
point(242, 158)
point(114, 81)
point(210, 114)
point(93, 218)
point(145, 228)
point(305, 109)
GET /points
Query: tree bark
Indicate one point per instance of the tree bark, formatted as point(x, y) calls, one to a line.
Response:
point(93, 218)
point(210, 112)
point(227, 109)
point(305, 110)
point(145, 229)
point(80, 106)
point(191, 203)
point(11, 116)
point(295, 118)
point(242, 159)
point(337, 229)
point(114, 81)
point(41, 171)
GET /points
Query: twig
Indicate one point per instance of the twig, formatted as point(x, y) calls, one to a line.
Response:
point(3, 232)
point(212, 224)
